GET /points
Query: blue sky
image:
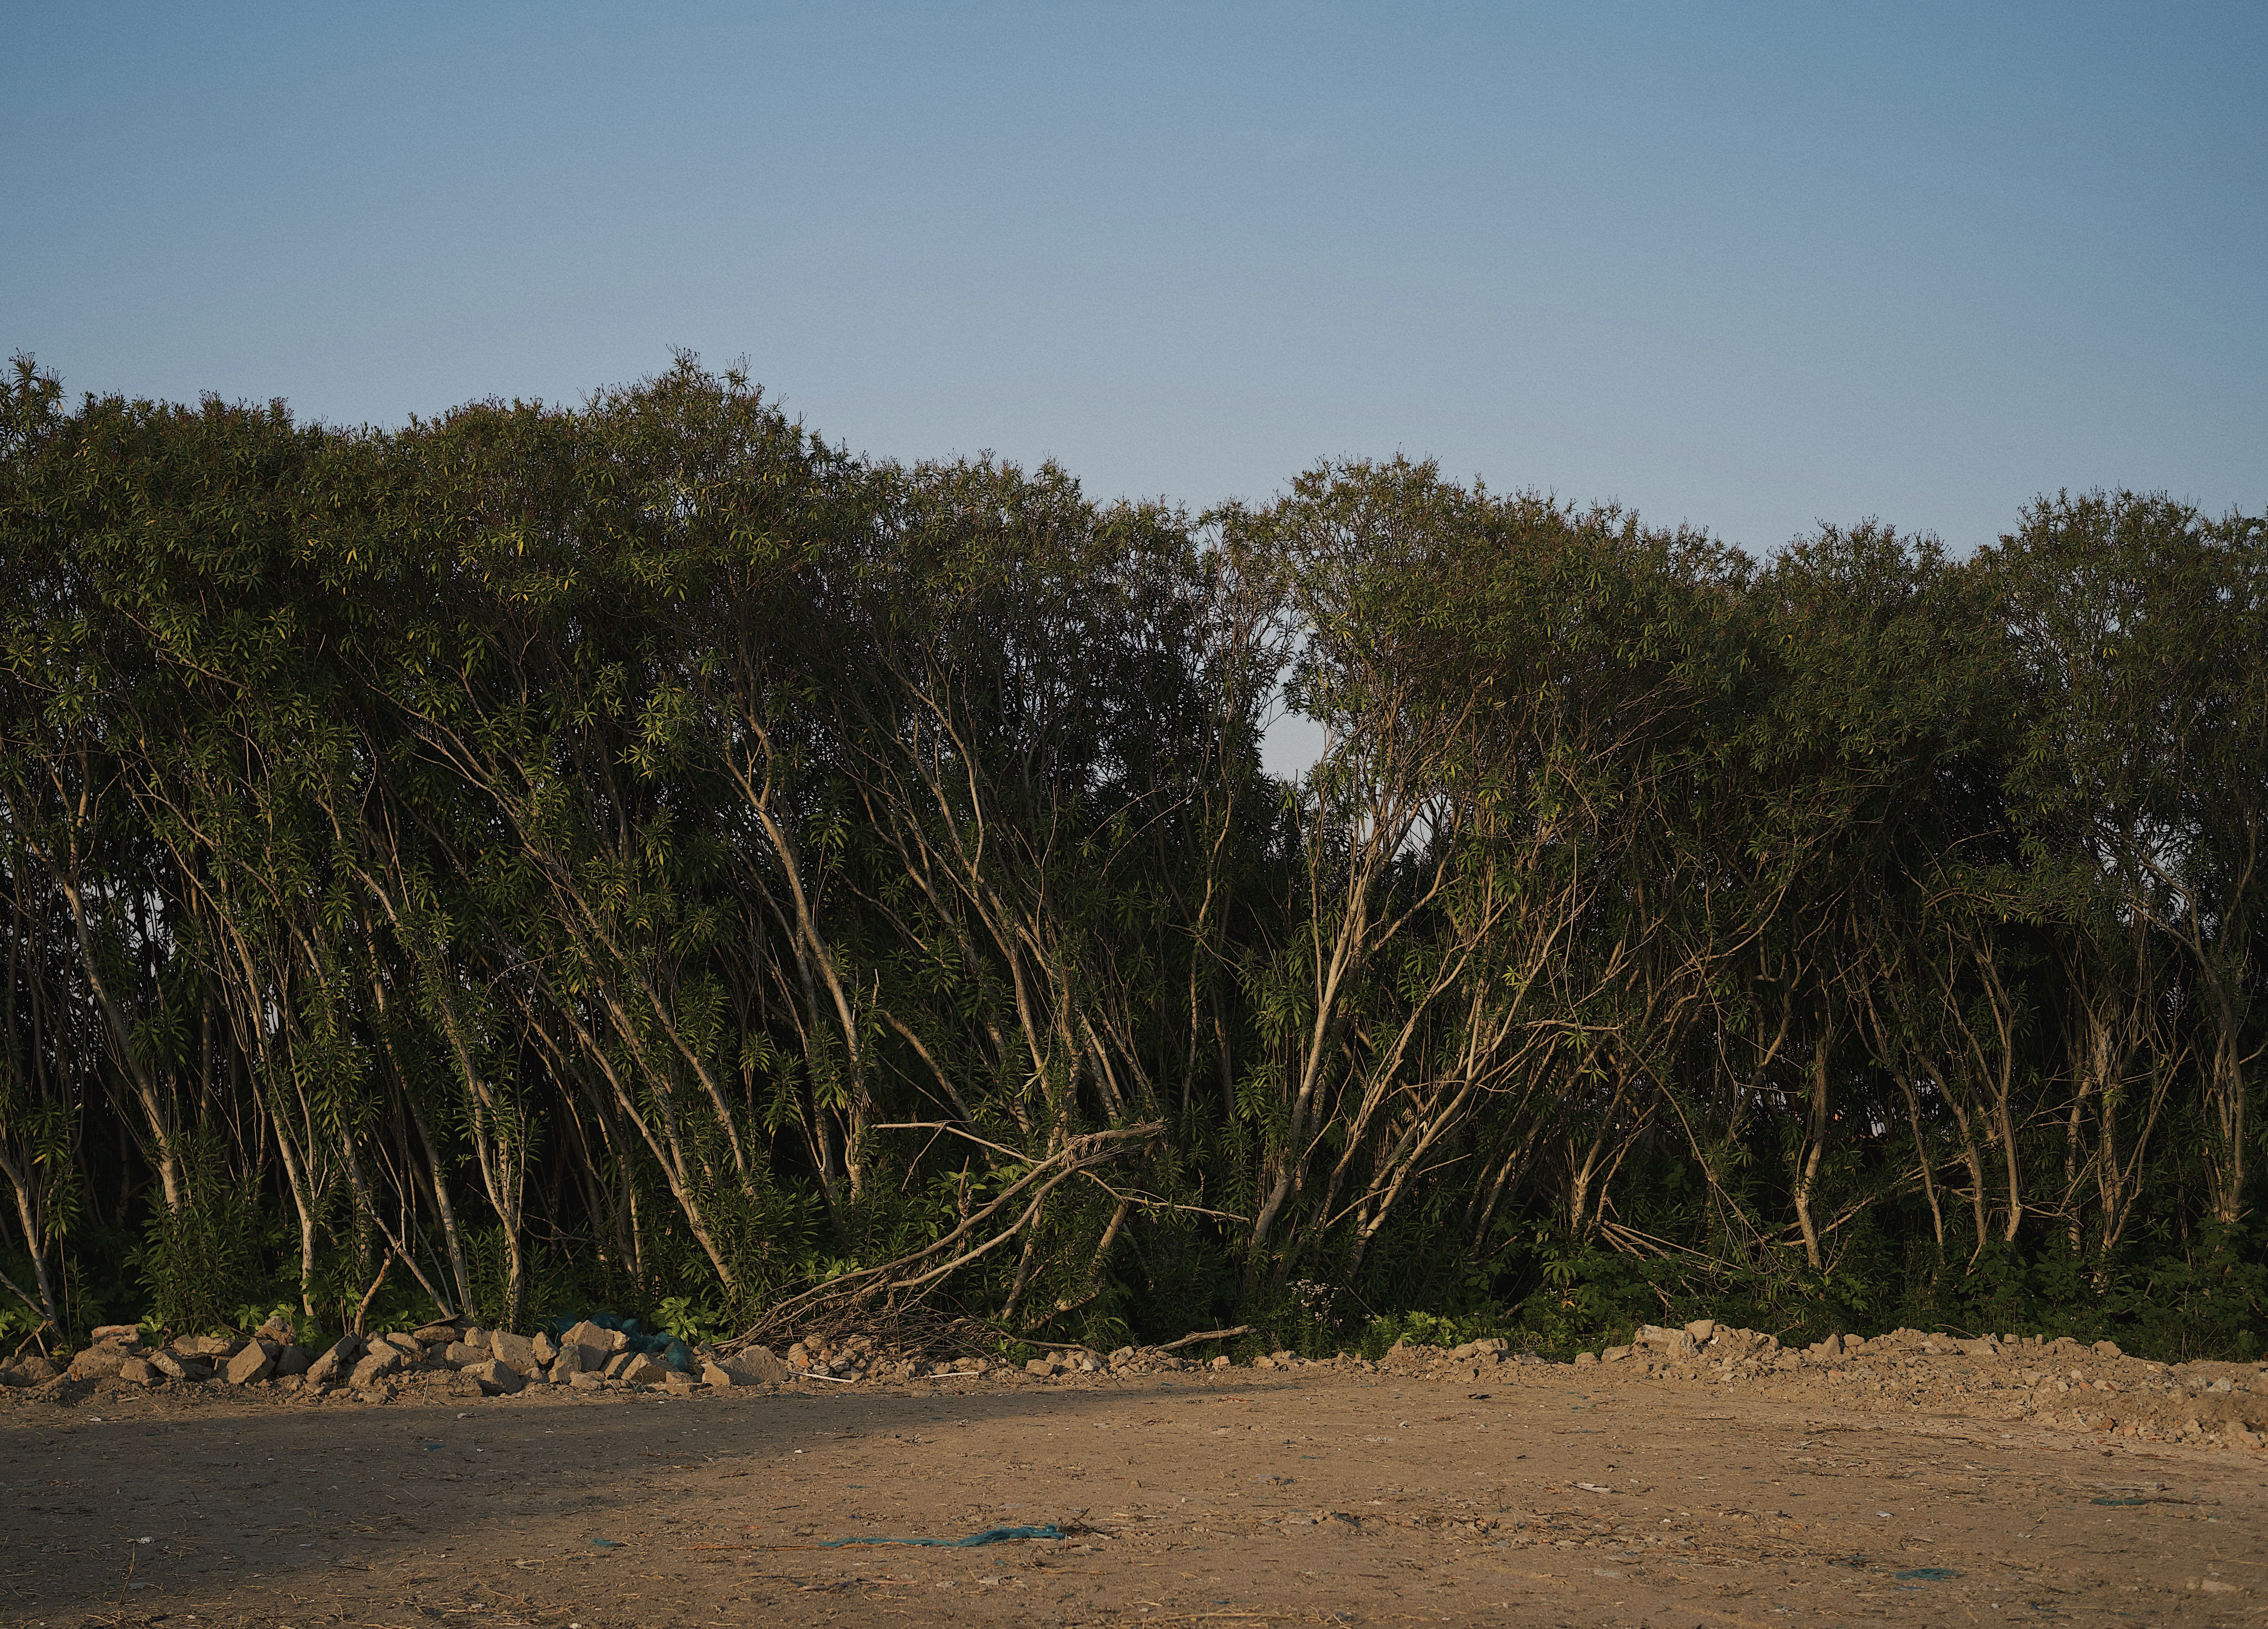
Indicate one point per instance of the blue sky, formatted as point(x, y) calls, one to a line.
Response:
point(1746, 266)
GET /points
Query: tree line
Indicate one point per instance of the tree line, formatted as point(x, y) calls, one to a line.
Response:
point(640, 855)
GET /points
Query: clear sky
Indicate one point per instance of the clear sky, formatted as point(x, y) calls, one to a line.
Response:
point(1742, 265)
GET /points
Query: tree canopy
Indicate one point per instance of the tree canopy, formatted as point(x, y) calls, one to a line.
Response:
point(639, 855)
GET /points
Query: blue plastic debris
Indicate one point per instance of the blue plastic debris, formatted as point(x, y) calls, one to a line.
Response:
point(1927, 1575)
point(656, 1343)
point(989, 1536)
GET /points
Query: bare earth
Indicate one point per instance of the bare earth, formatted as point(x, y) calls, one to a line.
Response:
point(1529, 1494)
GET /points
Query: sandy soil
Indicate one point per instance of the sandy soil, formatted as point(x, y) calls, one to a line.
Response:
point(1427, 1493)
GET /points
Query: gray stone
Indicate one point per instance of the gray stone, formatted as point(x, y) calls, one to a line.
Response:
point(96, 1363)
point(291, 1360)
point(457, 1355)
point(756, 1366)
point(136, 1372)
point(598, 1346)
point(333, 1364)
point(614, 1367)
point(715, 1374)
point(256, 1361)
point(438, 1334)
point(206, 1347)
point(682, 1385)
point(375, 1366)
point(410, 1349)
point(174, 1366)
point(583, 1380)
point(642, 1370)
point(1677, 1341)
point(495, 1377)
point(517, 1352)
point(546, 1348)
point(568, 1364)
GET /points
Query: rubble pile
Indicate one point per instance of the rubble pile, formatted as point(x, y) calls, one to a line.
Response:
point(472, 1360)
point(2058, 1383)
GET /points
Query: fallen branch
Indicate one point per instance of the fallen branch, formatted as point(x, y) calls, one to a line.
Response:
point(919, 1270)
point(1197, 1340)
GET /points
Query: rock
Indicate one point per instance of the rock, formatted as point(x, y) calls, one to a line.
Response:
point(2107, 1349)
point(206, 1347)
point(546, 1348)
point(1045, 1367)
point(375, 1366)
point(1614, 1354)
point(584, 1380)
point(173, 1366)
point(614, 1367)
point(256, 1361)
point(1668, 1340)
point(598, 1346)
point(290, 1361)
point(439, 1334)
point(682, 1385)
point(516, 1352)
point(715, 1374)
point(495, 1377)
point(277, 1331)
point(1221, 1362)
point(568, 1364)
point(755, 1365)
point(458, 1355)
point(408, 1350)
point(643, 1370)
point(475, 1335)
point(39, 1370)
point(96, 1363)
point(129, 1332)
point(1702, 1330)
point(332, 1366)
point(1582, 1358)
point(136, 1372)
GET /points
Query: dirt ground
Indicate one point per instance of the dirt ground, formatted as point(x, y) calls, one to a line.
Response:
point(1532, 1494)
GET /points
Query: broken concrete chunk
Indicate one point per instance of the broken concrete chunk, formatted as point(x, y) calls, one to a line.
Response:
point(517, 1352)
point(290, 1360)
point(96, 1363)
point(639, 1369)
point(137, 1372)
point(333, 1365)
point(256, 1361)
point(458, 1355)
point(496, 1377)
point(598, 1344)
point(546, 1348)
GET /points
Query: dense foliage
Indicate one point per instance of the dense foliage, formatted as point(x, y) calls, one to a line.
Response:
point(641, 856)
